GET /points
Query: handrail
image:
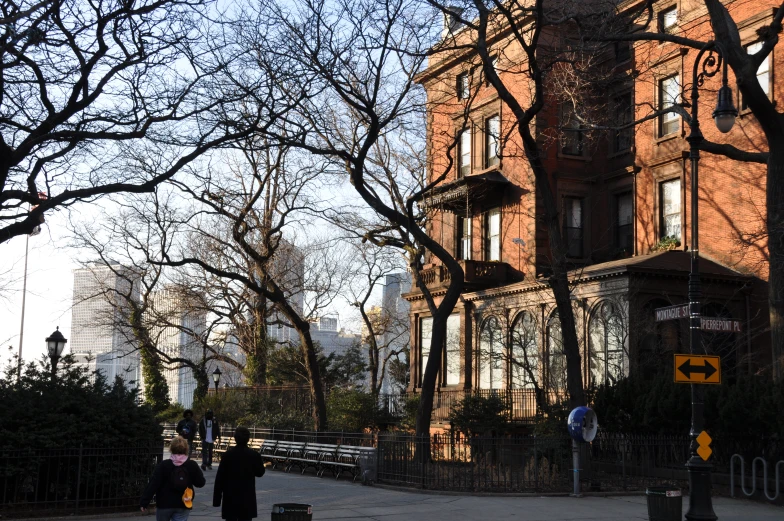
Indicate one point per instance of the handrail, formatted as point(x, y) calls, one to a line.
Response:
point(753, 476)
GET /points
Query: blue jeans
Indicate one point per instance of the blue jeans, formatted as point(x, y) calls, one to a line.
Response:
point(172, 514)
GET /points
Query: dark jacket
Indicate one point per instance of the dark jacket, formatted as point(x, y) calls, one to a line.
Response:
point(203, 429)
point(191, 425)
point(235, 483)
point(166, 496)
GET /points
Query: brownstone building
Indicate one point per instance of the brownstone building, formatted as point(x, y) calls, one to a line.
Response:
point(623, 200)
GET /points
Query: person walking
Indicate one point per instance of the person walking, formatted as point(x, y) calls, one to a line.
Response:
point(235, 481)
point(209, 433)
point(172, 484)
point(187, 428)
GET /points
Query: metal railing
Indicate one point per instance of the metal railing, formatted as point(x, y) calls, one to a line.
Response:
point(529, 463)
point(74, 480)
point(521, 404)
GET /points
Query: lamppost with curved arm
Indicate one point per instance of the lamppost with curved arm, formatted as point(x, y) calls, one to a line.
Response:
point(700, 504)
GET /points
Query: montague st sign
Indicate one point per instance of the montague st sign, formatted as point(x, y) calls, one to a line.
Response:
point(723, 325)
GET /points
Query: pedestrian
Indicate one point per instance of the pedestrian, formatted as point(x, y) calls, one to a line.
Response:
point(235, 481)
point(187, 428)
point(209, 433)
point(172, 484)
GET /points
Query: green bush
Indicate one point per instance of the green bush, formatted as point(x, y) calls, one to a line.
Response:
point(479, 415)
point(40, 413)
point(351, 410)
point(171, 414)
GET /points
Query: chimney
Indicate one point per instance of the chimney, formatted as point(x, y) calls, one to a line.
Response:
point(451, 23)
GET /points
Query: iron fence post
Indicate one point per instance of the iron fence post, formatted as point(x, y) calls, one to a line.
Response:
point(78, 478)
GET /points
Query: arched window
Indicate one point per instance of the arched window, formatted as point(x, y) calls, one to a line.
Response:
point(556, 359)
point(526, 359)
point(491, 355)
point(607, 339)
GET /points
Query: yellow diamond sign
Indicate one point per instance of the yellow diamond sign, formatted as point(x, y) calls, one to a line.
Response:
point(704, 450)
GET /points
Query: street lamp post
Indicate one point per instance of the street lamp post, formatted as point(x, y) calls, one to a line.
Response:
point(700, 504)
point(216, 375)
point(55, 343)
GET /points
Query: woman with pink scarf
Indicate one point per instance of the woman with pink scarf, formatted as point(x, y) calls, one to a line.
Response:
point(172, 484)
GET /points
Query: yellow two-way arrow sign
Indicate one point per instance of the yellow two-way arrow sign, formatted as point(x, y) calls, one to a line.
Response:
point(697, 369)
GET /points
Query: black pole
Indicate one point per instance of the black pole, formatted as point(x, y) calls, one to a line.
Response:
point(55, 359)
point(700, 504)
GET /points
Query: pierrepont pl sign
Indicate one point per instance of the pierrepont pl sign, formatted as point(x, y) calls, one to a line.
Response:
point(723, 325)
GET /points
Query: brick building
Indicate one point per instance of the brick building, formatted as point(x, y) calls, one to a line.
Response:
point(623, 208)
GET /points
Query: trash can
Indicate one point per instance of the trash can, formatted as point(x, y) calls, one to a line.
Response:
point(292, 512)
point(664, 504)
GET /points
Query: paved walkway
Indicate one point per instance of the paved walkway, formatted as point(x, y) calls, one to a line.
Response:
point(345, 500)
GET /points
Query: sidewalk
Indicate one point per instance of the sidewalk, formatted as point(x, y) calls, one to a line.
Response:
point(345, 500)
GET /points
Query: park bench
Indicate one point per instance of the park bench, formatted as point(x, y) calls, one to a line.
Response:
point(284, 453)
point(347, 458)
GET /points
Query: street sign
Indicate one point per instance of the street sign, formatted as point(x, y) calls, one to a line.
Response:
point(672, 312)
point(697, 369)
point(703, 449)
point(724, 325)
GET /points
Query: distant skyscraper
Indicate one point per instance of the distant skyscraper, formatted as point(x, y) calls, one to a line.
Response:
point(99, 340)
point(177, 331)
point(394, 311)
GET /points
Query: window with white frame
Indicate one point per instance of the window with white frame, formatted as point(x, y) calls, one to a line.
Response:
point(624, 215)
point(453, 349)
point(463, 86)
point(670, 209)
point(525, 352)
point(464, 162)
point(763, 72)
point(464, 239)
point(571, 132)
point(493, 235)
point(669, 95)
point(622, 138)
point(491, 355)
point(607, 337)
point(668, 19)
point(573, 226)
point(492, 140)
point(556, 358)
point(425, 335)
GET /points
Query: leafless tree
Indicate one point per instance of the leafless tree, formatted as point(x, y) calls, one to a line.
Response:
point(107, 97)
point(385, 331)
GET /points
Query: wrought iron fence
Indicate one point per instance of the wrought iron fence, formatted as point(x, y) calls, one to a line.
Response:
point(529, 463)
point(74, 480)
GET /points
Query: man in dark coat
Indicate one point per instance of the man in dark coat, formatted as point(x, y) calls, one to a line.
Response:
point(235, 482)
point(187, 429)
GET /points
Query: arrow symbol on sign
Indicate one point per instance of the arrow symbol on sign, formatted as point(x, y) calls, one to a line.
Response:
point(687, 369)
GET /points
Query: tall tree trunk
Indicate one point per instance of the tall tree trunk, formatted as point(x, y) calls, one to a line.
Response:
point(775, 224)
point(320, 420)
point(559, 281)
point(202, 380)
point(156, 390)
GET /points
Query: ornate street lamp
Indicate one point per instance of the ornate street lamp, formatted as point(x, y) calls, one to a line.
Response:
point(55, 343)
point(216, 374)
point(700, 504)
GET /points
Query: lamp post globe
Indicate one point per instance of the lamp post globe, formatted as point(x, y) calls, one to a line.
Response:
point(725, 112)
point(55, 344)
point(216, 376)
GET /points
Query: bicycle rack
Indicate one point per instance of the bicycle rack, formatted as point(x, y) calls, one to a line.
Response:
point(753, 476)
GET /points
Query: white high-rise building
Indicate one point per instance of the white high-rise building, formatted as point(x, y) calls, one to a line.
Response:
point(100, 339)
point(394, 312)
point(177, 330)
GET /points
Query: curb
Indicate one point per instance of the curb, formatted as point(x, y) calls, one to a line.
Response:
point(136, 513)
point(397, 488)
